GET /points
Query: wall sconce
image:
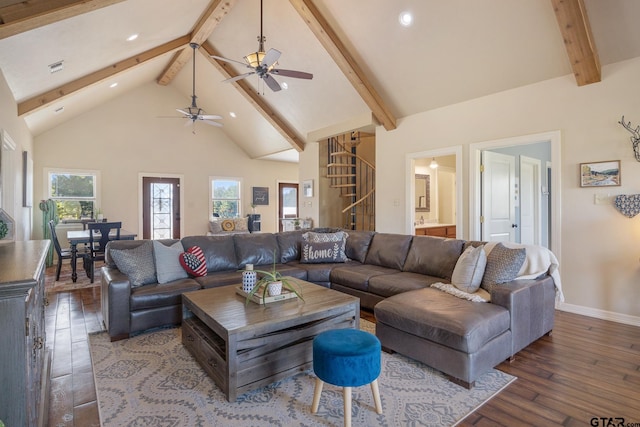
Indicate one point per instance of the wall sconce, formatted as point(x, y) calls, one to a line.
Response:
point(635, 137)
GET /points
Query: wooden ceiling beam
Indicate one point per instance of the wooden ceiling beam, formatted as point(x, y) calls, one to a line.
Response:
point(42, 100)
point(254, 98)
point(30, 14)
point(578, 40)
point(201, 31)
point(345, 61)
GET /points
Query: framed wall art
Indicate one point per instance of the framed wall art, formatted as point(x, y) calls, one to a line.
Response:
point(307, 188)
point(600, 174)
point(260, 196)
point(27, 180)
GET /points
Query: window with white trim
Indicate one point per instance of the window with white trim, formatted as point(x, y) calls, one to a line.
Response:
point(75, 193)
point(225, 197)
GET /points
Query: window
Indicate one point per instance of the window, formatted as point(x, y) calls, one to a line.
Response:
point(225, 197)
point(74, 193)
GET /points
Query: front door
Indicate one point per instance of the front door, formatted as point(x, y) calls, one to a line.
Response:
point(160, 208)
point(288, 202)
point(498, 187)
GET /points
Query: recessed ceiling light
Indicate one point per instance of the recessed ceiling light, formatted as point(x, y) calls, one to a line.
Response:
point(406, 19)
point(284, 85)
point(114, 84)
point(232, 114)
point(132, 37)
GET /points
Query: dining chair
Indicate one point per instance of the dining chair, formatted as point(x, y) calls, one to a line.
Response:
point(100, 233)
point(62, 253)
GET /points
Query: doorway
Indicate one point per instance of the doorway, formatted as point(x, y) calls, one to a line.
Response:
point(161, 207)
point(537, 218)
point(287, 202)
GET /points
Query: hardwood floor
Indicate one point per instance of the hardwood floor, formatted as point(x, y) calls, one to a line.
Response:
point(588, 368)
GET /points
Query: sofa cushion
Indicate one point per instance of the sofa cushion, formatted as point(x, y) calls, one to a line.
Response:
point(289, 245)
point(469, 269)
point(219, 251)
point(442, 318)
point(433, 256)
point(387, 285)
point(388, 250)
point(215, 226)
point(320, 273)
point(256, 248)
point(358, 276)
point(358, 245)
point(155, 295)
point(503, 265)
point(137, 263)
point(167, 259)
point(220, 278)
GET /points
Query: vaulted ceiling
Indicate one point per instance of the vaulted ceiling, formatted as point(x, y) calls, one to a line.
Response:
point(368, 69)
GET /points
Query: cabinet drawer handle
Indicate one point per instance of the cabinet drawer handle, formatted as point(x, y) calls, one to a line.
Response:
point(212, 363)
point(38, 343)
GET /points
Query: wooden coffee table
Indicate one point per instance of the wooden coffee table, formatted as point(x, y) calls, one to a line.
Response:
point(245, 347)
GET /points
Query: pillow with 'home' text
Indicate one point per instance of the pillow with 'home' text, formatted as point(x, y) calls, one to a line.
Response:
point(320, 252)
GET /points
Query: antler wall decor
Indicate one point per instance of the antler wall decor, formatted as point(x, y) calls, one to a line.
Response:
point(635, 137)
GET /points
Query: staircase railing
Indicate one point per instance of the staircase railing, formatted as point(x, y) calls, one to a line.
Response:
point(354, 177)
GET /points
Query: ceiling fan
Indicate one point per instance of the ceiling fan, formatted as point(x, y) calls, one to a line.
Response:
point(263, 64)
point(194, 113)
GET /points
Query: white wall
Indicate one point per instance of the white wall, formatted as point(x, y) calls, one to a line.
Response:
point(125, 137)
point(600, 247)
point(19, 133)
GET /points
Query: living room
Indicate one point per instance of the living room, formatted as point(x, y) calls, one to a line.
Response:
point(597, 245)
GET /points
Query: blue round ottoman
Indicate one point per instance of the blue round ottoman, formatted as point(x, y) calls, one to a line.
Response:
point(346, 358)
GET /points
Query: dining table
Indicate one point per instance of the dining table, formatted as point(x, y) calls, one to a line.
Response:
point(82, 236)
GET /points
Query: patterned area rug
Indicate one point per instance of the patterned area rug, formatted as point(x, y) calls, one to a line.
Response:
point(152, 380)
point(65, 283)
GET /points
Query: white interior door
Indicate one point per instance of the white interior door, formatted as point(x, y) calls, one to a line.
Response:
point(530, 188)
point(498, 181)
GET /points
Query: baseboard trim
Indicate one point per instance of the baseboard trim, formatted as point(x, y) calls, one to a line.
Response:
point(600, 314)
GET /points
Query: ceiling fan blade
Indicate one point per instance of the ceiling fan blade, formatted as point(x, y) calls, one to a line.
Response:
point(188, 122)
point(233, 61)
point(182, 112)
point(212, 123)
point(270, 58)
point(208, 117)
point(292, 73)
point(236, 78)
point(271, 82)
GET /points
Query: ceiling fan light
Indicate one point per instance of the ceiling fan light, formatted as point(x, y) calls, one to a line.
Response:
point(254, 59)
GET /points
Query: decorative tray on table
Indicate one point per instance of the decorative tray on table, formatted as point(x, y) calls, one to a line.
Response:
point(257, 297)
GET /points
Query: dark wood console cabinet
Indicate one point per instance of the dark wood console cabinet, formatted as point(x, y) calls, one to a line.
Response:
point(24, 359)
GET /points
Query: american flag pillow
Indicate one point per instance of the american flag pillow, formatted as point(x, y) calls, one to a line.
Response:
point(194, 262)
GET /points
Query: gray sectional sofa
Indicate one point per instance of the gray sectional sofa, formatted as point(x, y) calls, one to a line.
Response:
point(392, 275)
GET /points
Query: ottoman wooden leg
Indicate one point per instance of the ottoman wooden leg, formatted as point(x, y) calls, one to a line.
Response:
point(376, 396)
point(347, 406)
point(316, 395)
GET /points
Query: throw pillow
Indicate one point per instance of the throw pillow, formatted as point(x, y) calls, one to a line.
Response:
point(228, 225)
point(136, 263)
point(469, 269)
point(168, 267)
point(215, 226)
point(503, 265)
point(338, 236)
point(194, 262)
point(315, 253)
point(241, 224)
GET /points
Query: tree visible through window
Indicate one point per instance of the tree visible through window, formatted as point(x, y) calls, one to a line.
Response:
point(74, 194)
point(225, 197)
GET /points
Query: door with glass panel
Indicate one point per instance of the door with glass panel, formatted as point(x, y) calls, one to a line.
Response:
point(160, 208)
